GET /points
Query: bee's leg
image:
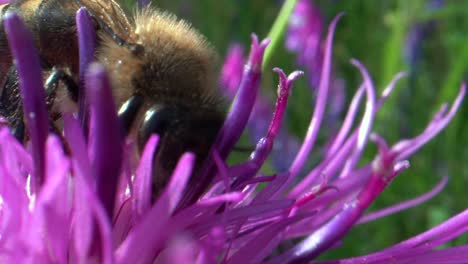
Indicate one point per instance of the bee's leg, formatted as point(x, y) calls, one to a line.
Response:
point(54, 129)
point(128, 112)
point(52, 87)
point(53, 80)
point(10, 104)
point(18, 131)
point(11, 107)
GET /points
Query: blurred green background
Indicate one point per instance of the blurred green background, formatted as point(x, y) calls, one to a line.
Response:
point(377, 33)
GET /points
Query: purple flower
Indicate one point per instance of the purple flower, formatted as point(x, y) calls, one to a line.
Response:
point(94, 205)
point(417, 34)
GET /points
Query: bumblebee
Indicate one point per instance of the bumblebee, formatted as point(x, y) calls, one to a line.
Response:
point(163, 74)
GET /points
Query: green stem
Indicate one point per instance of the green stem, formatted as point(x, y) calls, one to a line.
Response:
point(277, 31)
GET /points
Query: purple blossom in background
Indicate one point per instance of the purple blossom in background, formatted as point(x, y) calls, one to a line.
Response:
point(304, 37)
point(143, 3)
point(414, 40)
point(70, 216)
point(233, 67)
point(417, 34)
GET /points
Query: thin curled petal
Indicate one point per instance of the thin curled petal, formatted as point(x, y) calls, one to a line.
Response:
point(428, 134)
point(404, 205)
point(367, 120)
point(316, 120)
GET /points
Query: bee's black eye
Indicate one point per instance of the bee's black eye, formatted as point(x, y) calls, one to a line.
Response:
point(128, 112)
point(157, 120)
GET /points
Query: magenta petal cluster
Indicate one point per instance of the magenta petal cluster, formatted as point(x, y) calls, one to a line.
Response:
point(94, 204)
